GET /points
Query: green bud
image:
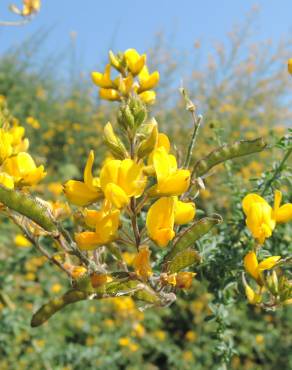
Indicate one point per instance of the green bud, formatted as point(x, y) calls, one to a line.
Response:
point(146, 146)
point(114, 143)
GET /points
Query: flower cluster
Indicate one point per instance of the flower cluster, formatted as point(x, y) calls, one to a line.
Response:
point(261, 220)
point(17, 167)
point(29, 8)
point(133, 78)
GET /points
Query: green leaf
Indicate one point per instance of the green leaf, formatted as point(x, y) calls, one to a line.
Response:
point(193, 233)
point(226, 152)
point(183, 260)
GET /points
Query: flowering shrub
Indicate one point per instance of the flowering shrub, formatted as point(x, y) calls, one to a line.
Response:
point(134, 231)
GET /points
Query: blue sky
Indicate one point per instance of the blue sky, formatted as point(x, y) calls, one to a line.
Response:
point(100, 24)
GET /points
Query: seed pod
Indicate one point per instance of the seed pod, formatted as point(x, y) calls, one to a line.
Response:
point(27, 206)
point(183, 260)
point(193, 233)
point(55, 305)
point(114, 143)
point(146, 146)
point(226, 152)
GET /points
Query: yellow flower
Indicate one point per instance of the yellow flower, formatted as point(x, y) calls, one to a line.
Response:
point(290, 66)
point(34, 123)
point(106, 224)
point(255, 269)
point(183, 212)
point(6, 180)
point(78, 271)
point(124, 341)
point(148, 97)
point(251, 295)
point(135, 61)
point(30, 7)
point(121, 180)
point(5, 145)
point(261, 218)
point(21, 241)
point(147, 81)
point(170, 180)
point(87, 192)
point(191, 336)
point(103, 80)
point(124, 85)
point(109, 94)
point(23, 169)
point(141, 262)
point(284, 213)
point(160, 221)
point(18, 142)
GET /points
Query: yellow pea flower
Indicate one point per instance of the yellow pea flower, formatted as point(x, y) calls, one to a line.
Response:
point(87, 192)
point(170, 180)
point(160, 221)
point(21, 241)
point(251, 295)
point(261, 218)
point(284, 213)
point(184, 212)
point(30, 7)
point(147, 81)
point(124, 85)
point(109, 94)
point(141, 262)
point(23, 169)
point(106, 224)
point(162, 142)
point(6, 148)
point(6, 180)
point(148, 97)
point(19, 143)
point(103, 80)
point(121, 180)
point(255, 269)
point(135, 61)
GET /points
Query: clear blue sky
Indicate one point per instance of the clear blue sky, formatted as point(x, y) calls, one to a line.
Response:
point(101, 24)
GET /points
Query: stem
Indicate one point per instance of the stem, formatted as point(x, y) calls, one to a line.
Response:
point(277, 171)
point(134, 222)
point(19, 23)
point(197, 122)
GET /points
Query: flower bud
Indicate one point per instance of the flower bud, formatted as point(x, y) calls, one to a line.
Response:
point(114, 143)
point(146, 146)
point(272, 282)
point(115, 61)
